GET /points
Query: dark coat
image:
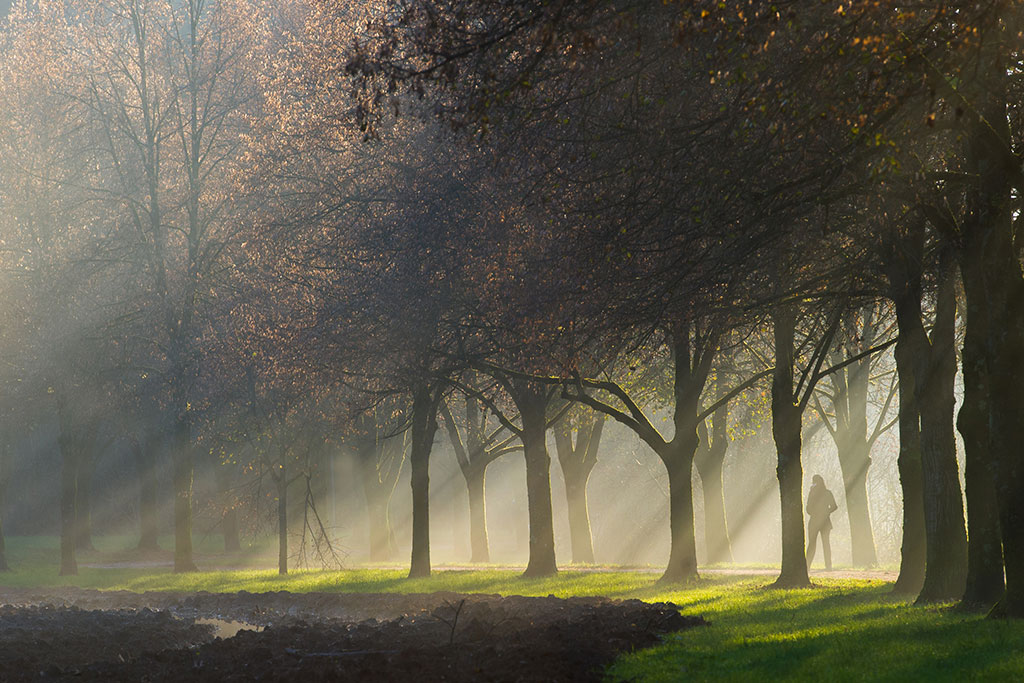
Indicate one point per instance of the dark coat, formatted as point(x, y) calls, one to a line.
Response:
point(820, 505)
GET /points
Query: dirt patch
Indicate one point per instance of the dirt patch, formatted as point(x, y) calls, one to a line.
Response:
point(118, 636)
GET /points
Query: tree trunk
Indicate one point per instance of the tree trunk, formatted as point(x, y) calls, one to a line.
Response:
point(903, 258)
point(946, 563)
point(716, 529)
point(424, 426)
point(379, 520)
point(710, 459)
point(853, 448)
point(682, 560)
point(912, 552)
point(229, 510)
point(4, 478)
point(985, 583)
point(83, 499)
point(181, 452)
point(577, 460)
point(475, 484)
point(145, 464)
point(854, 463)
point(1004, 298)
point(232, 539)
point(1007, 435)
point(579, 518)
point(531, 400)
point(282, 518)
point(68, 491)
point(786, 423)
point(4, 566)
point(992, 419)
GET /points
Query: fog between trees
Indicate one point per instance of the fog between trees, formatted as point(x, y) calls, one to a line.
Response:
point(534, 283)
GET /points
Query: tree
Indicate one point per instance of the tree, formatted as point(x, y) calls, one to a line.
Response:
point(577, 457)
point(849, 401)
point(476, 446)
point(165, 90)
point(381, 456)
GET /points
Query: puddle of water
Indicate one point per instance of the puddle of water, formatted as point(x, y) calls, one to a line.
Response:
point(223, 628)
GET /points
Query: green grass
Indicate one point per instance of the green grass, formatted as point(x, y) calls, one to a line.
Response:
point(841, 630)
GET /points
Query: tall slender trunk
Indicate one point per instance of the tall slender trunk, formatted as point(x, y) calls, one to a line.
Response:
point(146, 474)
point(1004, 298)
point(994, 283)
point(229, 510)
point(577, 460)
point(68, 490)
point(181, 453)
point(475, 484)
point(282, 517)
point(531, 400)
point(83, 499)
point(4, 479)
point(903, 256)
point(855, 457)
point(379, 474)
point(710, 460)
point(946, 564)
point(985, 582)
point(232, 537)
point(716, 529)
point(692, 363)
point(580, 535)
point(381, 535)
point(990, 417)
point(854, 462)
point(424, 426)
point(682, 560)
point(912, 552)
point(786, 423)
point(1007, 435)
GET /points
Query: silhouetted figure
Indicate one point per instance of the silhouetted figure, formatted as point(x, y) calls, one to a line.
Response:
point(820, 506)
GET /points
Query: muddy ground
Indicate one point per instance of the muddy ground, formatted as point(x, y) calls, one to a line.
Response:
point(82, 635)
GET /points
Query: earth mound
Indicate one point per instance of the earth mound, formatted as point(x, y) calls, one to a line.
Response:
point(118, 636)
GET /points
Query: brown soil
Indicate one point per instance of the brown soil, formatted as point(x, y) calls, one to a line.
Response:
point(81, 635)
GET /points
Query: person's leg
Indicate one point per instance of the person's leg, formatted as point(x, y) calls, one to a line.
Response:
point(812, 539)
point(826, 548)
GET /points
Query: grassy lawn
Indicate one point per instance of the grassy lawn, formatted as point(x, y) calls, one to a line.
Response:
point(841, 630)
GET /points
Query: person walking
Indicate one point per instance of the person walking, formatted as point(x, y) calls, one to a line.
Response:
point(820, 506)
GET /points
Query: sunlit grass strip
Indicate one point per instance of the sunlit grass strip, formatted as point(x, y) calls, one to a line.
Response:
point(841, 630)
